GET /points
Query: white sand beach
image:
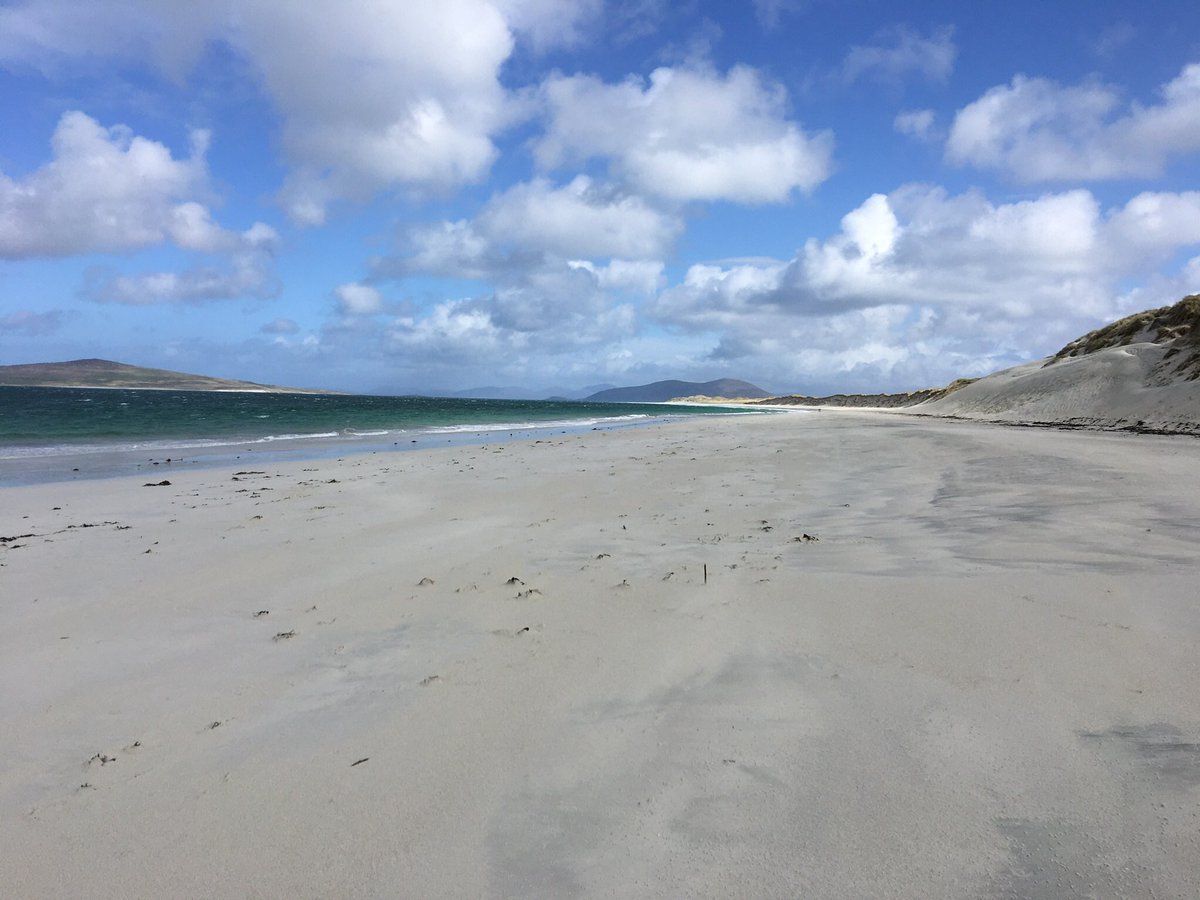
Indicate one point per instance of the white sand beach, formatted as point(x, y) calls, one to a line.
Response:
point(852, 655)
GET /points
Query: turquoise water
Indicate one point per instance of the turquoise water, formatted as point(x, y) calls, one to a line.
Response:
point(41, 423)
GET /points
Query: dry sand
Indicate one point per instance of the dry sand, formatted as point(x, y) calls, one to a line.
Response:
point(978, 679)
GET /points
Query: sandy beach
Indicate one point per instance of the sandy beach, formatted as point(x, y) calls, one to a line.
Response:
point(819, 655)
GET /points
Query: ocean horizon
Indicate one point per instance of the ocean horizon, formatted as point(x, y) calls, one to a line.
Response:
point(110, 431)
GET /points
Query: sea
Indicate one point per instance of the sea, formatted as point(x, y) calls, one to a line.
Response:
point(50, 434)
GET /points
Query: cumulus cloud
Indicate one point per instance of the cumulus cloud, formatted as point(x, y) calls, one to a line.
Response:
point(535, 225)
point(1035, 129)
point(30, 323)
point(105, 189)
point(246, 271)
point(108, 190)
point(635, 276)
point(582, 218)
point(564, 265)
point(515, 322)
point(552, 23)
point(940, 280)
point(355, 299)
point(901, 51)
point(916, 123)
point(454, 331)
point(371, 96)
point(425, 103)
point(557, 287)
point(686, 134)
point(446, 249)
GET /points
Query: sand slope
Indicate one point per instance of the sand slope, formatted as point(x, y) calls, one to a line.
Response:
point(1112, 388)
point(612, 665)
point(1139, 373)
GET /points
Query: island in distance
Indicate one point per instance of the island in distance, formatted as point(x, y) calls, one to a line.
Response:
point(104, 373)
point(662, 391)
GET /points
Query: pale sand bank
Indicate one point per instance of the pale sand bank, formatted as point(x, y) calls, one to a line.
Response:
point(980, 681)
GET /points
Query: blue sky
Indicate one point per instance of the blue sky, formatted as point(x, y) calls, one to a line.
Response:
point(433, 196)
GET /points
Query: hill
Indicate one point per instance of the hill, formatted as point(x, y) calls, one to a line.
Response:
point(103, 373)
point(873, 401)
point(662, 391)
point(1141, 373)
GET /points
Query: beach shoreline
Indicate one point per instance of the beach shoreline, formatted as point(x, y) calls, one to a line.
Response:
point(25, 465)
point(853, 655)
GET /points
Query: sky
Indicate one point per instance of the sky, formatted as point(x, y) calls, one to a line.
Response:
point(426, 196)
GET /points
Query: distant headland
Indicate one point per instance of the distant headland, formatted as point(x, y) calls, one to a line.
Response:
point(104, 373)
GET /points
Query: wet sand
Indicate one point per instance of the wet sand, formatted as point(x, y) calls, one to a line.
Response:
point(812, 655)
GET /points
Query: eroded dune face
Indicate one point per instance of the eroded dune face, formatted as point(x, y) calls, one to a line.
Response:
point(1140, 373)
point(1174, 328)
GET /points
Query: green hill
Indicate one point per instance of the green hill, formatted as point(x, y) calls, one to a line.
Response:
point(662, 391)
point(103, 373)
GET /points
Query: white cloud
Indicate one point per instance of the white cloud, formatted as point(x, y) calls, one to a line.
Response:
point(105, 189)
point(564, 266)
point(524, 322)
point(543, 311)
point(534, 228)
point(635, 276)
point(30, 323)
point(454, 331)
point(900, 51)
point(1036, 130)
point(1151, 227)
point(632, 20)
point(45, 33)
point(191, 227)
point(372, 96)
point(407, 96)
point(932, 286)
point(108, 190)
point(552, 23)
point(689, 134)
point(916, 123)
point(393, 95)
point(446, 249)
point(247, 271)
point(579, 219)
point(356, 299)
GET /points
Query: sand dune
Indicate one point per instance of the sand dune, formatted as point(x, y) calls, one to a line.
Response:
point(1138, 374)
point(1112, 388)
